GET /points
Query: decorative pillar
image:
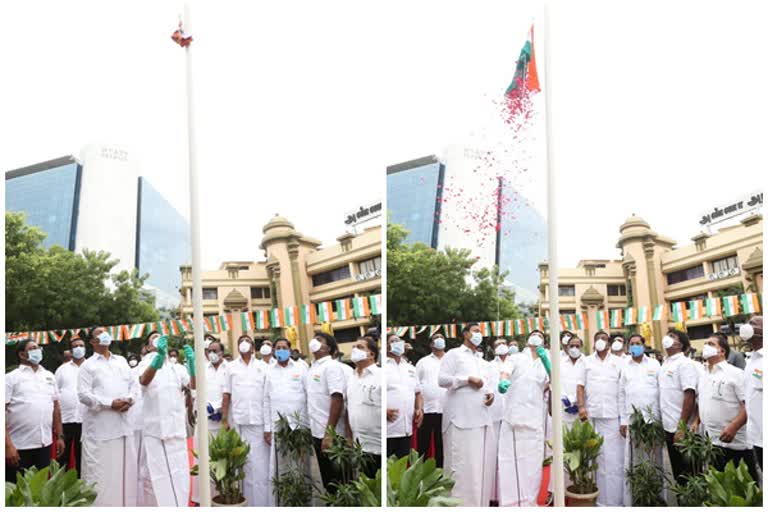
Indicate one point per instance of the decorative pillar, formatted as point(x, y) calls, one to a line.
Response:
point(650, 264)
point(591, 300)
point(293, 254)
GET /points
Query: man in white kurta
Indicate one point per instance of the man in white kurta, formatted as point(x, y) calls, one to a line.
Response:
point(466, 419)
point(244, 394)
point(363, 401)
point(598, 392)
point(71, 409)
point(431, 427)
point(752, 333)
point(638, 389)
point(521, 443)
point(164, 469)
point(404, 399)
point(107, 390)
point(495, 411)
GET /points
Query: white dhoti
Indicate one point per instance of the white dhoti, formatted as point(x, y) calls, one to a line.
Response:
point(633, 456)
point(521, 454)
point(111, 467)
point(465, 459)
point(139, 440)
point(492, 459)
point(196, 479)
point(257, 486)
point(610, 463)
point(165, 472)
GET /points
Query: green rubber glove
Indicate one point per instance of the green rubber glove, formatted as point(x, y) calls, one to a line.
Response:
point(162, 345)
point(504, 386)
point(157, 361)
point(544, 359)
point(189, 358)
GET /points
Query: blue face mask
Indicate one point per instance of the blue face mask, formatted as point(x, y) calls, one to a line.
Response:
point(636, 350)
point(282, 354)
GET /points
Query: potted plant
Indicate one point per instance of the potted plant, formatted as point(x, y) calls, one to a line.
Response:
point(228, 455)
point(34, 488)
point(732, 487)
point(581, 447)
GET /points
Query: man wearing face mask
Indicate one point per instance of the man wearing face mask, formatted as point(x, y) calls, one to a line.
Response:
point(326, 386)
point(244, 392)
point(431, 428)
point(404, 399)
point(521, 442)
point(106, 387)
point(598, 398)
point(617, 348)
point(266, 353)
point(136, 413)
point(638, 388)
point(721, 406)
point(364, 403)
point(466, 419)
point(32, 413)
point(752, 333)
point(678, 381)
point(164, 467)
point(71, 408)
point(285, 396)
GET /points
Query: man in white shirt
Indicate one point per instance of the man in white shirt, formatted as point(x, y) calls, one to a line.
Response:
point(164, 468)
point(404, 399)
point(617, 348)
point(364, 403)
point(326, 387)
point(431, 428)
point(598, 399)
point(32, 412)
point(71, 408)
point(521, 444)
point(752, 333)
point(106, 387)
point(265, 351)
point(721, 406)
point(638, 389)
point(244, 394)
point(678, 381)
point(286, 397)
point(466, 419)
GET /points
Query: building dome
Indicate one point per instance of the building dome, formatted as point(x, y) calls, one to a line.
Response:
point(634, 221)
point(277, 222)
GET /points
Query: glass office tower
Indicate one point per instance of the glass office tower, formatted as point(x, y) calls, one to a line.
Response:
point(413, 198)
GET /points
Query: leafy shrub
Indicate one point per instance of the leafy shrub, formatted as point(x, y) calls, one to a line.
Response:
point(581, 447)
point(33, 488)
point(732, 487)
point(293, 486)
point(228, 454)
point(414, 482)
point(646, 479)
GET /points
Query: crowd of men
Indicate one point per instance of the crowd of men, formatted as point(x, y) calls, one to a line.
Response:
point(487, 422)
point(126, 422)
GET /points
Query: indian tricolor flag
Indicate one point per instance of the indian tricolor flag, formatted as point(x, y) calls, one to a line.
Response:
point(642, 314)
point(570, 322)
point(731, 305)
point(713, 307)
point(450, 330)
point(208, 323)
point(603, 321)
point(360, 307)
point(325, 312)
point(277, 317)
point(678, 312)
point(695, 309)
point(400, 331)
point(616, 318)
point(308, 314)
point(343, 311)
point(581, 321)
point(520, 325)
point(630, 316)
point(526, 78)
point(247, 322)
point(660, 312)
point(375, 303)
point(750, 302)
point(484, 330)
point(412, 332)
point(261, 320)
point(291, 315)
point(433, 329)
point(137, 331)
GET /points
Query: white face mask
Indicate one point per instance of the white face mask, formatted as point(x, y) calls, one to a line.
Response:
point(245, 347)
point(132, 363)
point(574, 352)
point(155, 340)
point(534, 340)
point(600, 345)
point(173, 359)
point(78, 352)
point(265, 350)
point(439, 343)
point(709, 351)
point(315, 345)
point(746, 331)
point(667, 342)
point(213, 357)
point(502, 350)
point(35, 356)
point(105, 339)
point(358, 355)
point(566, 339)
point(476, 338)
point(617, 346)
point(397, 347)
point(513, 349)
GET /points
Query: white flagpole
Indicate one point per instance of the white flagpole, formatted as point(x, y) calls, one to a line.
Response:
point(554, 309)
point(197, 285)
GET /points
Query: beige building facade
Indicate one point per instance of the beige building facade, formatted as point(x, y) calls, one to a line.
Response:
point(296, 270)
point(654, 270)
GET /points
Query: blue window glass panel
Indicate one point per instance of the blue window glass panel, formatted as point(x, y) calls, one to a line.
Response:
point(48, 199)
point(163, 242)
point(411, 201)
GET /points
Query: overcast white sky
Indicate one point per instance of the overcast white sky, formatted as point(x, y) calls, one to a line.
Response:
point(659, 108)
